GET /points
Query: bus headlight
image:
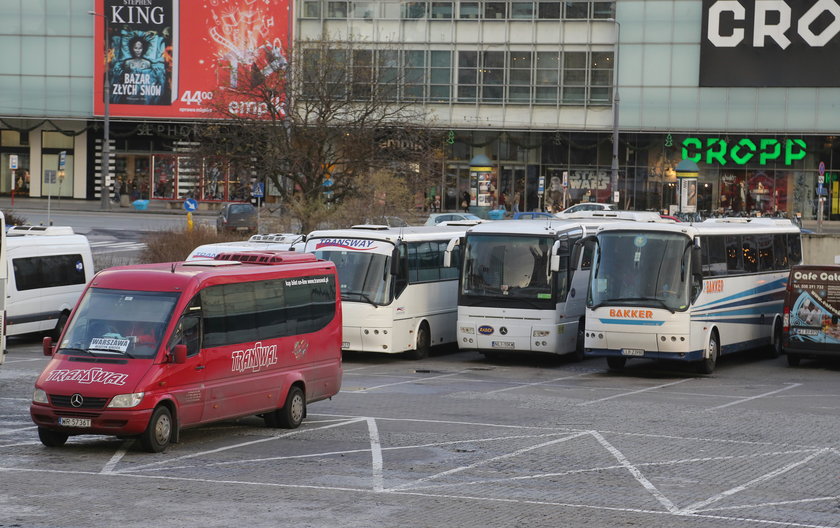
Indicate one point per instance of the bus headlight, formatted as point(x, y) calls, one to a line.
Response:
point(540, 333)
point(126, 400)
point(39, 396)
point(467, 330)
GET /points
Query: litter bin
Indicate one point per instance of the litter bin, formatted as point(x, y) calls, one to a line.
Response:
point(496, 214)
point(140, 205)
point(124, 200)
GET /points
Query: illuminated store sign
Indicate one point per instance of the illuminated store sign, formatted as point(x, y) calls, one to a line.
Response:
point(715, 151)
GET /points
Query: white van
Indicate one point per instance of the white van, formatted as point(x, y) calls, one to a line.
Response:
point(48, 268)
point(269, 242)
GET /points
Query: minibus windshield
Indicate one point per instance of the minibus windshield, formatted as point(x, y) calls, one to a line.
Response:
point(119, 323)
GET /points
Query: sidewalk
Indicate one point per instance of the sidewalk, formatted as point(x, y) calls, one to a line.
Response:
point(68, 204)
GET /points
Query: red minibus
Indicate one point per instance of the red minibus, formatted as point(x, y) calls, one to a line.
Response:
point(152, 349)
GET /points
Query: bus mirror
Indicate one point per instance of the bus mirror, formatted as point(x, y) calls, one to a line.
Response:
point(48, 346)
point(395, 260)
point(696, 261)
point(447, 256)
point(554, 264)
point(179, 354)
point(697, 242)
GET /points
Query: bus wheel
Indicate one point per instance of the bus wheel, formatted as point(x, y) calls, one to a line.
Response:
point(774, 349)
point(616, 363)
point(793, 360)
point(156, 437)
point(52, 438)
point(424, 340)
point(581, 330)
point(707, 365)
point(290, 416)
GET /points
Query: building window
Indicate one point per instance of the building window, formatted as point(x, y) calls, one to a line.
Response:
point(519, 72)
point(547, 82)
point(603, 10)
point(576, 10)
point(493, 76)
point(519, 10)
point(365, 10)
point(469, 10)
point(336, 9)
point(414, 9)
point(312, 9)
point(467, 75)
point(495, 10)
point(441, 9)
point(415, 74)
point(440, 76)
point(601, 81)
point(574, 77)
point(549, 10)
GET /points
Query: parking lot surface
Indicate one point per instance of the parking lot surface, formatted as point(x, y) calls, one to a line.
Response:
point(459, 440)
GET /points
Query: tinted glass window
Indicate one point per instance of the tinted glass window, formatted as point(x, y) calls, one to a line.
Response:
point(48, 272)
point(713, 249)
point(734, 260)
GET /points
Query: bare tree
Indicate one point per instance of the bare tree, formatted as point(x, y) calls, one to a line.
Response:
point(318, 125)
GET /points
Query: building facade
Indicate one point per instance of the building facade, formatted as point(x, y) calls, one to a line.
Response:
point(541, 88)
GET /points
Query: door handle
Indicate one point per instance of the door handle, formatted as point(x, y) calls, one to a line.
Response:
point(199, 367)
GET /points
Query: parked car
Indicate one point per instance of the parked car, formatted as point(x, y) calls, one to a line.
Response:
point(586, 206)
point(437, 218)
point(237, 217)
point(532, 215)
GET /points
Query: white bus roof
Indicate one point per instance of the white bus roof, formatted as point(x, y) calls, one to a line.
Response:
point(392, 234)
point(588, 220)
point(28, 230)
point(271, 241)
point(713, 226)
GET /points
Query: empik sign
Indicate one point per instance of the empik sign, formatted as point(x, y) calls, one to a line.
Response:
point(770, 43)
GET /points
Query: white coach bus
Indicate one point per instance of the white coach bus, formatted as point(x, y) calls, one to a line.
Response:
point(523, 283)
point(689, 292)
point(4, 285)
point(396, 294)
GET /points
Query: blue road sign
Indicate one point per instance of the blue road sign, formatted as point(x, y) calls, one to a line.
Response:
point(62, 159)
point(190, 205)
point(258, 190)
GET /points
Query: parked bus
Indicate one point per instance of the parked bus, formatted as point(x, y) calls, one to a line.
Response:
point(4, 276)
point(689, 292)
point(152, 349)
point(270, 242)
point(397, 294)
point(523, 284)
point(812, 313)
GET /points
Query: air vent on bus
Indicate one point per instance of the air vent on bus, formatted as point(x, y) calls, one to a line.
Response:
point(267, 257)
point(280, 238)
point(39, 230)
point(373, 227)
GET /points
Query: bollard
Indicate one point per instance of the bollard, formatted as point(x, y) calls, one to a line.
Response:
point(189, 222)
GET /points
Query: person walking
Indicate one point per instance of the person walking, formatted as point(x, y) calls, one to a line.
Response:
point(465, 201)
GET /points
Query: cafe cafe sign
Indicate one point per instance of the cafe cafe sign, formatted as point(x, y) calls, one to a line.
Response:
point(716, 151)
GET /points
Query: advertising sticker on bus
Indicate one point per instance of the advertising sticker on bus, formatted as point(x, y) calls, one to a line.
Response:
point(812, 312)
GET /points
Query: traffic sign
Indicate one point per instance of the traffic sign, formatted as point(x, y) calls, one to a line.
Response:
point(13, 161)
point(258, 190)
point(190, 205)
point(62, 159)
point(821, 168)
point(541, 185)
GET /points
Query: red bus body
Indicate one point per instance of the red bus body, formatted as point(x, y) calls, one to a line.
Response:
point(237, 327)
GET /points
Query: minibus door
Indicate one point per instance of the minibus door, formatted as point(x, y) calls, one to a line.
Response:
point(186, 381)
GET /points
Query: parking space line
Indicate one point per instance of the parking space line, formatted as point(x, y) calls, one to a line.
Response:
point(11, 431)
point(112, 463)
point(375, 455)
point(413, 380)
point(698, 506)
point(538, 383)
point(772, 504)
point(635, 392)
point(648, 485)
point(488, 461)
point(744, 400)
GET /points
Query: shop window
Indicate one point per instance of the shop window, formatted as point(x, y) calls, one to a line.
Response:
point(164, 176)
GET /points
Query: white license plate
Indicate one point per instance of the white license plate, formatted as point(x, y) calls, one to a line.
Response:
point(74, 422)
point(502, 344)
point(632, 352)
point(345, 344)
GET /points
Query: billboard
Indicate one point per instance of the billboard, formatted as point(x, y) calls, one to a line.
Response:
point(170, 58)
point(784, 43)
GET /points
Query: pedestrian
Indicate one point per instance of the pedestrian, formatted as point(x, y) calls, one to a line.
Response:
point(465, 201)
point(516, 198)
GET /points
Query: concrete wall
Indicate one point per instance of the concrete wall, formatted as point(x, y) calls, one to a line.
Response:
point(820, 249)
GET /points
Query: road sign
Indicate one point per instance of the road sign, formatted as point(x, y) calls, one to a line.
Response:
point(821, 168)
point(258, 190)
point(13, 161)
point(62, 159)
point(190, 205)
point(541, 185)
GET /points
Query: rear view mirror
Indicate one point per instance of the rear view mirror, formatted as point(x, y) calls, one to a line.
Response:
point(179, 354)
point(48, 346)
point(395, 260)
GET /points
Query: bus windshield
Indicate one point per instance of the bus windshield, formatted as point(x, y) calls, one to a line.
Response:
point(648, 269)
point(516, 267)
point(100, 327)
point(364, 277)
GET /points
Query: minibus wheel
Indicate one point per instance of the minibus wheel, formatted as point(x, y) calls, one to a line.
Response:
point(156, 436)
point(52, 438)
point(707, 365)
point(291, 415)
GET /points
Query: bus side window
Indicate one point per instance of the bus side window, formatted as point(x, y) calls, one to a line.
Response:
point(734, 256)
point(780, 252)
point(188, 330)
point(750, 250)
point(794, 249)
point(588, 251)
point(401, 281)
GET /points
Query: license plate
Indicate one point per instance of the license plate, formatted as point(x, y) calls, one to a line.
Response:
point(74, 422)
point(632, 352)
point(345, 344)
point(502, 344)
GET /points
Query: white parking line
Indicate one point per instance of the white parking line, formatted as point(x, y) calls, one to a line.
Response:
point(635, 392)
point(743, 400)
point(414, 380)
point(375, 455)
point(538, 383)
point(111, 464)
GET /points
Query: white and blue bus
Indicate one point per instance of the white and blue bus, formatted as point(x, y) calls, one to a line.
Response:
point(397, 294)
point(689, 292)
point(523, 283)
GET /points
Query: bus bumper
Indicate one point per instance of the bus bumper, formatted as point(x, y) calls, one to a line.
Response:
point(694, 355)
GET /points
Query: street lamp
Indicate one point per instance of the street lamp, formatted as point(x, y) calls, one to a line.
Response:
point(105, 169)
point(615, 102)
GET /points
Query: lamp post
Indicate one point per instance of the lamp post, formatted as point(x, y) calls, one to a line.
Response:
point(105, 169)
point(615, 103)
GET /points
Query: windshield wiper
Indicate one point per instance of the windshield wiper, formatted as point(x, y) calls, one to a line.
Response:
point(111, 351)
point(363, 295)
point(88, 352)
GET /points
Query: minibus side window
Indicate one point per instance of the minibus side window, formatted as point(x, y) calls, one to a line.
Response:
point(188, 330)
